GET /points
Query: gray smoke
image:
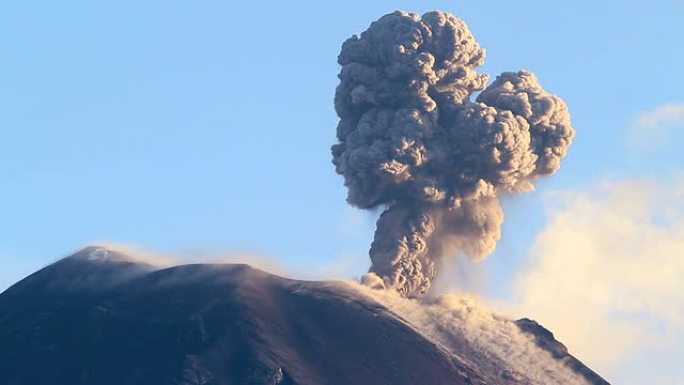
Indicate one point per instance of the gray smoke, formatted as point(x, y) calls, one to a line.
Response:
point(411, 140)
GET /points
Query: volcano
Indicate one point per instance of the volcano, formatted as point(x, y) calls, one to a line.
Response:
point(101, 317)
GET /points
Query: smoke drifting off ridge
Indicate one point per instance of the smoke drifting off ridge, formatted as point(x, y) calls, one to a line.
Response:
point(411, 140)
point(465, 328)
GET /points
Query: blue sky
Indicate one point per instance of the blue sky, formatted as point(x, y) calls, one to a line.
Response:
point(206, 126)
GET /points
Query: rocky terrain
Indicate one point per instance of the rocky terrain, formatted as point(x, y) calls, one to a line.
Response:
point(100, 317)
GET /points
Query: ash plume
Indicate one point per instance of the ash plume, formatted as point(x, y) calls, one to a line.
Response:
point(411, 140)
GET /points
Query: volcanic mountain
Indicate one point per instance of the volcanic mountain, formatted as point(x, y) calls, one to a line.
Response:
point(101, 317)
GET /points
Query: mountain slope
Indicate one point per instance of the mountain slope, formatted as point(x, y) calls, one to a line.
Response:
point(99, 317)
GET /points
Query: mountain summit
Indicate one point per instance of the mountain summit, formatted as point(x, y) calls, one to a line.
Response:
point(101, 317)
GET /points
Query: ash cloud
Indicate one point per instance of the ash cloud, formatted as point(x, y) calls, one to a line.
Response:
point(412, 141)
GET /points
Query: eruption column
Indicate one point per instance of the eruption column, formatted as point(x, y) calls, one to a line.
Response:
point(412, 140)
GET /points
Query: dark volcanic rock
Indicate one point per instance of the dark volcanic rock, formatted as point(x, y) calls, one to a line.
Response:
point(99, 318)
point(546, 341)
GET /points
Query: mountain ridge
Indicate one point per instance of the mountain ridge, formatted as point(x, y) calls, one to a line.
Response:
point(111, 320)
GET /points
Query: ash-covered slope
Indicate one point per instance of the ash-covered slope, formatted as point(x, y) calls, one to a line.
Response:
point(99, 317)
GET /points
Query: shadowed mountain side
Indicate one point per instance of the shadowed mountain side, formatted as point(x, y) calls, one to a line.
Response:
point(100, 318)
point(202, 324)
point(546, 341)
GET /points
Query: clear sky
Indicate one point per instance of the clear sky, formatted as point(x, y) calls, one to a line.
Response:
point(205, 126)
